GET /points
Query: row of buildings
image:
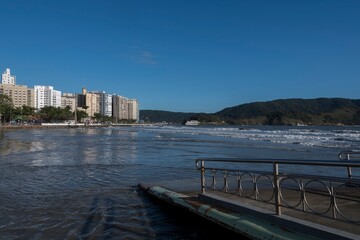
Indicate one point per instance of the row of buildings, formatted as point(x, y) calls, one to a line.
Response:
point(91, 102)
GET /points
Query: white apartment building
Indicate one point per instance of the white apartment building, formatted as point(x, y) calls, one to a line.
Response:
point(106, 104)
point(56, 98)
point(46, 96)
point(6, 77)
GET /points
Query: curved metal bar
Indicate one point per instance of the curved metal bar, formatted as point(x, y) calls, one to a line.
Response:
point(300, 189)
point(338, 209)
point(312, 207)
point(213, 173)
point(271, 184)
point(253, 184)
point(235, 190)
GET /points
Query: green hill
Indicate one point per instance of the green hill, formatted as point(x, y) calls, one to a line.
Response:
point(164, 116)
point(319, 111)
point(326, 111)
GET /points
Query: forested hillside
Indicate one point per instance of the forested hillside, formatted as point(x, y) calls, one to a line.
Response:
point(295, 111)
point(320, 111)
point(164, 116)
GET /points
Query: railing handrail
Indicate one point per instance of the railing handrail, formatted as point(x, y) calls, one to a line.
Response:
point(331, 184)
point(332, 163)
point(346, 155)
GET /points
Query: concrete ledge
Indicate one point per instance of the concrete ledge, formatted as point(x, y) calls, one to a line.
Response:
point(283, 221)
point(245, 223)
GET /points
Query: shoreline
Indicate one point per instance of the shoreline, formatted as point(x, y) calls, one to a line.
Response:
point(46, 126)
point(82, 125)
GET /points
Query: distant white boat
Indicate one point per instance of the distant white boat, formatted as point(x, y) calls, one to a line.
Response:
point(192, 123)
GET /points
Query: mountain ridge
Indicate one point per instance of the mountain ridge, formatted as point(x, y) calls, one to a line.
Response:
point(317, 111)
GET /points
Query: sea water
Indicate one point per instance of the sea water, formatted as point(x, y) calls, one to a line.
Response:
point(80, 183)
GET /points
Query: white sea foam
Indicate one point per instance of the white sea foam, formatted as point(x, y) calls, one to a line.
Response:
point(328, 137)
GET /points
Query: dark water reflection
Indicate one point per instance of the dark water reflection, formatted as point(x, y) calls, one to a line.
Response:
point(81, 183)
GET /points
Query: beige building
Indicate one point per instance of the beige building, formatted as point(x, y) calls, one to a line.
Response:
point(90, 102)
point(99, 102)
point(120, 107)
point(124, 108)
point(20, 94)
point(133, 106)
point(69, 99)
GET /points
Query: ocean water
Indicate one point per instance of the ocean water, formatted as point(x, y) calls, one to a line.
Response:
point(81, 183)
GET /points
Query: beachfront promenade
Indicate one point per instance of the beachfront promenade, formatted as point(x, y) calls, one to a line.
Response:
point(277, 199)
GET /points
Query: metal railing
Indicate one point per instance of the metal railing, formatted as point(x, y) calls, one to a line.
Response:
point(349, 155)
point(275, 182)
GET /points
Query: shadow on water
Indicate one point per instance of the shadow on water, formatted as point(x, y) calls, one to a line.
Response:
point(86, 229)
point(158, 221)
point(110, 206)
point(93, 218)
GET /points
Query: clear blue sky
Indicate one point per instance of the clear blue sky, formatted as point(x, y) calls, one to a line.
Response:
point(186, 55)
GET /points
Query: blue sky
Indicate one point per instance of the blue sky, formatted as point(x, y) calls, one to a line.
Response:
point(186, 55)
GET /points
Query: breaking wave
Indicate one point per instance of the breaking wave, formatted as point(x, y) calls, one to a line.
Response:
point(326, 137)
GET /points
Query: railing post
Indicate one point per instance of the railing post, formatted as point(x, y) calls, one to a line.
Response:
point(202, 169)
point(349, 168)
point(347, 157)
point(276, 190)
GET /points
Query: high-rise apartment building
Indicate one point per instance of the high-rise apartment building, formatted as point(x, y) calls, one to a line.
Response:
point(106, 104)
point(20, 94)
point(46, 96)
point(90, 102)
point(69, 99)
point(133, 106)
point(56, 101)
point(124, 108)
point(7, 78)
point(120, 107)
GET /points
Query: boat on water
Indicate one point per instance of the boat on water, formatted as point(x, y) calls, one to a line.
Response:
point(192, 123)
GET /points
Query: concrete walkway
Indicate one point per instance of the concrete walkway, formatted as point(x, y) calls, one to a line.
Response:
point(318, 202)
point(255, 219)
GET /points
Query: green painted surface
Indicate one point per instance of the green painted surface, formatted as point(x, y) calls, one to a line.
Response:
point(245, 224)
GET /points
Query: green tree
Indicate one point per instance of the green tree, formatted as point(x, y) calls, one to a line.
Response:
point(24, 113)
point(102, 118)
point(53, 114)
point(6, 108)
point(28, 111)
point(47, 113)
point(356, 118)
point(127, 121)
point(275, 118)
point(81, 115)
point(98, 117)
